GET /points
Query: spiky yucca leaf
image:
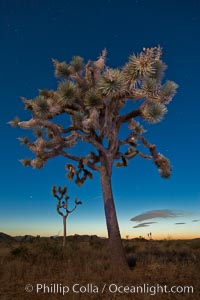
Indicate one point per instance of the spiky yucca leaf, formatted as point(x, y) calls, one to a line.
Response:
point(56, 104)
point(24, 140)
point(53, 190)
point(62, 69)
point(163, 165)
point(154, 112)
point(112, 84)
point(67, 197)
point(149, 85)
point(165, 172)
point(123, 163)
point(138, 67)
point(136, 127)
point(169, 90)
point(41, 108)
point(67, 90)
point(159, 70)
point(64, 190)
point(77, 202)
point(14, 122)
point(77, 63)
point(38, 131)
point(37, 163)
point(60, 190)
point(79, 181)
point(88, 174)
point(28, 103)
point(119, 164)
point(26, 162)
point(70, 167)
point(139, 129)
point(45, 93)
point(70, 176)
point(93, 98)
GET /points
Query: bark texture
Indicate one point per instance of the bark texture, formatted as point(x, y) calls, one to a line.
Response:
point(65, 230)
point(118, 258)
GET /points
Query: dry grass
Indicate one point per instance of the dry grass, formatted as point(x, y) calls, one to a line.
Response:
point(44, 261)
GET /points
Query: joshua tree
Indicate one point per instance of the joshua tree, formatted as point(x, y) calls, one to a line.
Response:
point(100, 101)
point(63, 205)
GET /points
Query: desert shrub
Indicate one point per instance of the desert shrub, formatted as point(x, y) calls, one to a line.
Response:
point(195, 244)
point(56, 251)
point(132, 260)
point(21, 252)
point(71, 246)
point(46, 261)
point(47, 249)
point(130, 248)
point(96, 244)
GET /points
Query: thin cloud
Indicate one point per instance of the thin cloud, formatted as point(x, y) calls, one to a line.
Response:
point(140, 225)
point(89, 198)
point(153, 214)
point(179, 223)
point(195, 220)
point(146, 224)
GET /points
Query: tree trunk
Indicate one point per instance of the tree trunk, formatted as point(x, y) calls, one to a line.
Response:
point(115, 243)
point(64, 231)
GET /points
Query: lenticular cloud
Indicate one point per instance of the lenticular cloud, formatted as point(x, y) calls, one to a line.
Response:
point(145, 224)
point(154, 214)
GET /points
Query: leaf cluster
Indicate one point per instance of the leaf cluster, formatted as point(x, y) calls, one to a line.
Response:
point(96, 99)
point(80, 173)
point(63, 200)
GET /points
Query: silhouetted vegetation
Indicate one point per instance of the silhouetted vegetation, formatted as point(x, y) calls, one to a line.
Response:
point(85, 259)
point(63, 206)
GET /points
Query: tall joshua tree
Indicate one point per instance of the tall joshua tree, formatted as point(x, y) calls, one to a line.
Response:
point(63, 206)
point(95, 97)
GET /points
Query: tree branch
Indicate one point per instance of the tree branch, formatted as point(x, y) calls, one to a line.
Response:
point(125, 118)
point(141, 154)
point(59, 212)
point(136, 94)
point(32, 123)
point(92, 140)
point(80, 159)
point(73, 209)
point(67, 130)
point(93, 166)
point(151, 147)
point(70, 156)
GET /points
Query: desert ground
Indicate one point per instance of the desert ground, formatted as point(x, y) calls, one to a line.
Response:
point(84, 265)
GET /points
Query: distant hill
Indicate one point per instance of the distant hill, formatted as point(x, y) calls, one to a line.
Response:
point(5, 237)
point(76, 237)
point(24, 238)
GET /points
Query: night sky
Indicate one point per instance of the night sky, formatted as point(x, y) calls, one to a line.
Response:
point(32, 33)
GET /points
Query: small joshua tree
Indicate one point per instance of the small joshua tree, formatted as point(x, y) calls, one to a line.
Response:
point(63, 206)
point(101, 101)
